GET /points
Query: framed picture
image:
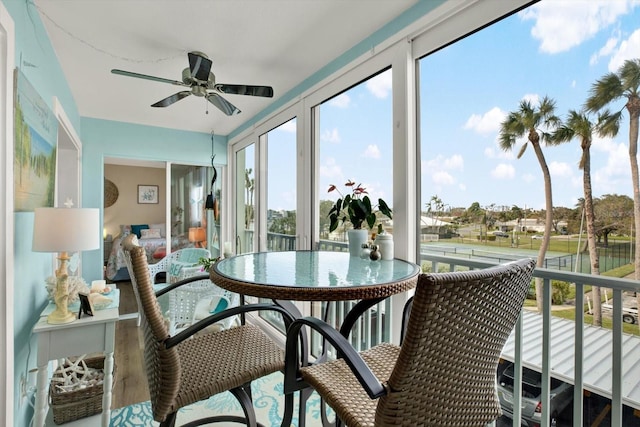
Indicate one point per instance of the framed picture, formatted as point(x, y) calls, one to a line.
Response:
point(147, 194)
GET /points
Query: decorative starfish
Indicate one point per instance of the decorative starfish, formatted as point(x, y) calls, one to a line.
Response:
point(69, 202)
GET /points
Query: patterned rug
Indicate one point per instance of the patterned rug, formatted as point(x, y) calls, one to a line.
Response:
point(268, 402)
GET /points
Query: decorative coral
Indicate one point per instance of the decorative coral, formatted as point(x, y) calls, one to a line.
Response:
point(75, 285)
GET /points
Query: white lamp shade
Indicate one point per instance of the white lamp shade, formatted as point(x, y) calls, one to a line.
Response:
point(66, 229)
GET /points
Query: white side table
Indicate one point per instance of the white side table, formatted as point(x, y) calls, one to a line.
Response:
point(90, 334)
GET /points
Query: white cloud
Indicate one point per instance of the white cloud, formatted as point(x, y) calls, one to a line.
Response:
point(462, 187)
point(380, 85)
point(331, 170)
point(331, 136)
point(528, 178)
point(442, 178)
point(487, 123)
point(503, 171)
point(341, 101)
point(606, 50)
point(560, 169)
point(439, 169)
point(628, 49)
point(617, 163)
point(533, 98)
point(561, 25)
point(372, 152)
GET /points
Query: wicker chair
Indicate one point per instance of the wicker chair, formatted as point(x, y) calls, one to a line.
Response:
point(443, 373)
point(164, 264)
point(185, 368)
point(179, 307)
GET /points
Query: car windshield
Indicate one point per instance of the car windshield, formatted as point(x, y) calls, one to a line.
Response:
point(531, 381)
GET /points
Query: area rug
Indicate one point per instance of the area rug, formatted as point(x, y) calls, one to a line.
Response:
point(268, 402)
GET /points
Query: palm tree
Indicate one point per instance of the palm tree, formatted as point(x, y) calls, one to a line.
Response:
point(535, 123)
point(578, 125)
point(624, 85)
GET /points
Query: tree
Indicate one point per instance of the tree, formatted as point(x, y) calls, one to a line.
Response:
point(613, 213)
point(624, 85)
point(579, 126)
point(535, 123)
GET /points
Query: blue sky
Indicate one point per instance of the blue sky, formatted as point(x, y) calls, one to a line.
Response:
point(554, 48)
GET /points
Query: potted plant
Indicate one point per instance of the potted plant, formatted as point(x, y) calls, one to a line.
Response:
point(357, 209)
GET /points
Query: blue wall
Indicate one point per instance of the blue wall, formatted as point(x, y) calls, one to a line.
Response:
point(100, 138)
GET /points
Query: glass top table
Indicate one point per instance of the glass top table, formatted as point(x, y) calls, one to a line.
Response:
point(313, 276)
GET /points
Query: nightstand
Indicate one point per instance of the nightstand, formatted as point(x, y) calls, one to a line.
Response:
point(89, 334)
point(108, 244)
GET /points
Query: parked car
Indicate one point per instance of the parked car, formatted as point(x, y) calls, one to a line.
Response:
point(629, 314)
point(561, 394)
point(537, 237)
point(500, 234)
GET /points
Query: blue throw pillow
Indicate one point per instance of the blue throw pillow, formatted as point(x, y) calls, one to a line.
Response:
point(138, 228)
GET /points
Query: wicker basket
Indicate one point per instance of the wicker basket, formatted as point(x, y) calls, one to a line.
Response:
point(73, 405)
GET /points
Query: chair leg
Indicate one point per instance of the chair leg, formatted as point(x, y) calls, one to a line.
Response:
point(170, 421)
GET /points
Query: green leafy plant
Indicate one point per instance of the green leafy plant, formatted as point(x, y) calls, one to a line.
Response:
point(355, 208)
point(206, 263)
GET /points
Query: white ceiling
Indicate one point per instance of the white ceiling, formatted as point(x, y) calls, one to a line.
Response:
point(278, 43)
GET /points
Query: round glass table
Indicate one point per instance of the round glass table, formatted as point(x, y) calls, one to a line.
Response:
point(313, 276)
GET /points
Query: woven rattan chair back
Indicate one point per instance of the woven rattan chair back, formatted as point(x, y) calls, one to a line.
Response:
point(162, 364)
point(446, 370)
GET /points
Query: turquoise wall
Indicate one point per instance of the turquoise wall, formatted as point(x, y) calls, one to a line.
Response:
point(37, 61)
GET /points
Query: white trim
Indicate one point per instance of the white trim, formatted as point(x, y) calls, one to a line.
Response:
point(7, 56)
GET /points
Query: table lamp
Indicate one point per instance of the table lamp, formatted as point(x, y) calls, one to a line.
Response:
point(65, 230)
point(197, 235)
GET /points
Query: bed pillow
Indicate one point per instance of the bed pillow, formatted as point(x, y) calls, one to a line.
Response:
point(138, 228)
point(151, 233)
point(161, 227)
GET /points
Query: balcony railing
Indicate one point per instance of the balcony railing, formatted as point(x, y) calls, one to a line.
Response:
point(618, 352)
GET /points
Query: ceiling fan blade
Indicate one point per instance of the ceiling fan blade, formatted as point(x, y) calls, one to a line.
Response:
point(146, 77)
point(199, 65)
point(225, 106)
point(171, 99)
point(265, 91)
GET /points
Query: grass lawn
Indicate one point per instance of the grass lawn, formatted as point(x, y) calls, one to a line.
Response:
point(570, 312)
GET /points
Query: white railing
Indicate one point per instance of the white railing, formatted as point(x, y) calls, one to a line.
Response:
point(618, 351)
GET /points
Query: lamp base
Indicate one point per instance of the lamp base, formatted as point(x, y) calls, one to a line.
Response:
point(59, 317)
point(61, 297)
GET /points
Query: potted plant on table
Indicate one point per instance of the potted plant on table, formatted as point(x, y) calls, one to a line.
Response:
point(357, 209)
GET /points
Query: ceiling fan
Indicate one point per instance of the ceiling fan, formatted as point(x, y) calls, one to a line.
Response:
point(202, 82)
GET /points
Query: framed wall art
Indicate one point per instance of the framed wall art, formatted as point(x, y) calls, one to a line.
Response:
point(147, 194)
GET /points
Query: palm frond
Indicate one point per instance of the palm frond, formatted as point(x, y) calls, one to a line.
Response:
point(604, 91)
point(629, 73)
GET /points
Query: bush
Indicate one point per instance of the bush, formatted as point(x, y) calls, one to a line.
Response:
point(559, 291)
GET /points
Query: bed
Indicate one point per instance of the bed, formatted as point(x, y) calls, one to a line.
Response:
point(151, 237)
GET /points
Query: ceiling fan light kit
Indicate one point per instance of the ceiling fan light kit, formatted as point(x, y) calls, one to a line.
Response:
point(202, 83)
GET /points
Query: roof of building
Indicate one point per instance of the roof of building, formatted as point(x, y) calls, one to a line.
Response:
point(597, 350)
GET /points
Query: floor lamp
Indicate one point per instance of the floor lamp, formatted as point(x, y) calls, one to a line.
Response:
point(65, 230)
